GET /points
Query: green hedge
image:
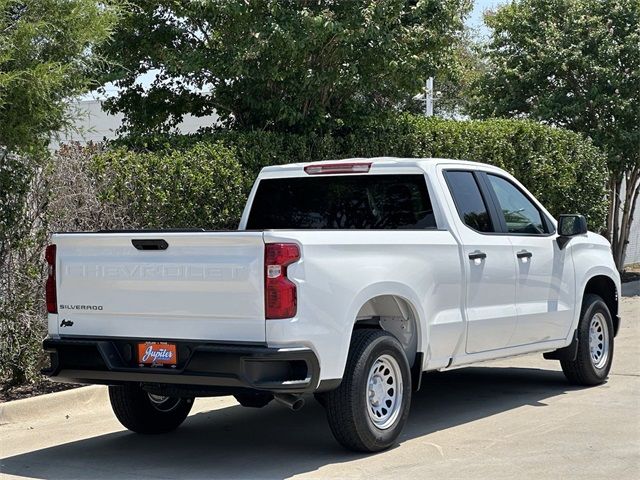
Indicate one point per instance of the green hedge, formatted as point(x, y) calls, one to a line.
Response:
point(201, 186)
point(565, 171)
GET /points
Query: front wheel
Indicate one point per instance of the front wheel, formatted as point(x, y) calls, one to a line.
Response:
point(595, 344)
point(368, 410)
point(144, 412)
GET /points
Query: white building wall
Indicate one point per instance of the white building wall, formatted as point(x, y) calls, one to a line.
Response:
point(633, 248)
point(95, 125)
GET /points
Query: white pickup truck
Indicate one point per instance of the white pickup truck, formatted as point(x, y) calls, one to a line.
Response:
point(346, 279)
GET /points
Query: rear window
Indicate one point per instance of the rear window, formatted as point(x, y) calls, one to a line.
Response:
point(345, 202)
point(468, 200)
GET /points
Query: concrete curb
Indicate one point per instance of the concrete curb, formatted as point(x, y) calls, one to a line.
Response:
point(54, 404)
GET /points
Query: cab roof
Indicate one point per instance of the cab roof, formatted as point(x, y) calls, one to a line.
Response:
point(377, 163)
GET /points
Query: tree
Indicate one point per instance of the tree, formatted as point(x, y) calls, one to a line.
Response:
point(291, 66)
point(47, 55)
point(575, 64)
point(454, 87)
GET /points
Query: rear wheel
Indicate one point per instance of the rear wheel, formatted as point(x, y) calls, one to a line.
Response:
point(144, 412)
point(595, 344)
point(368, 410)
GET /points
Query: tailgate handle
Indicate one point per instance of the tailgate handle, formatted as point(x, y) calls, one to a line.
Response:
point(150, 244)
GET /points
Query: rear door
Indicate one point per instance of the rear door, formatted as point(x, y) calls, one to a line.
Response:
point(545, 288)
point(489, 263)
point(162, 285)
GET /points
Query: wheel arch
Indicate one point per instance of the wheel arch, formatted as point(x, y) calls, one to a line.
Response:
point(394, 308)
point(605, 287)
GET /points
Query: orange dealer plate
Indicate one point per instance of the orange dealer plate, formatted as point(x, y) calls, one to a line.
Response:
point(157, 353)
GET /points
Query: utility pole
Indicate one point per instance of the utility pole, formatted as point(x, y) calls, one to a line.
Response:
point(428, 98)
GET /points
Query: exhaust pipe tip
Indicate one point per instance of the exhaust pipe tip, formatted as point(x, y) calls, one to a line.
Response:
point(297, 404)
point(294, 402)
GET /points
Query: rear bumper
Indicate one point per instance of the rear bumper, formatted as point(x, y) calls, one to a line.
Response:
point(112, 361)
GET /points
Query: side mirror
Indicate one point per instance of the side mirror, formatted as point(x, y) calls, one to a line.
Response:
point(570, 226)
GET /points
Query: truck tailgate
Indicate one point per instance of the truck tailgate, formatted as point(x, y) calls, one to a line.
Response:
point(203, 285)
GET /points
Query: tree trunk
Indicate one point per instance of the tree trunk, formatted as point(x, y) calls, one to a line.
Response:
point(615, 211)
point(623, 210)
point(612, 195)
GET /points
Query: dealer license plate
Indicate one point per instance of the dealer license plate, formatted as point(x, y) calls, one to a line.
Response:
point(157, 353)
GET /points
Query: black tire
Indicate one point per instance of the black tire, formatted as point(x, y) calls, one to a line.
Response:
point(254, 400)
point(584, 370)
point(321, 398)
point(137, 412)
point(348, 406)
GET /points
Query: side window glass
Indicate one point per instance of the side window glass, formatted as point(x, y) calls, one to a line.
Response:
point(520, 214)
point(468, 199)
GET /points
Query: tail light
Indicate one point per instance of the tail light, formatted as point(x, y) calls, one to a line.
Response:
point(343, 167)
point(280, 294)
point(50, 288)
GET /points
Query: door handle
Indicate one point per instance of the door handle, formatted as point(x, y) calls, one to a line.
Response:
point(477, 255)
point(150, 244)
point(524, 254)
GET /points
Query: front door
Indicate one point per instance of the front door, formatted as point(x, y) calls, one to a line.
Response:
point(545, 286)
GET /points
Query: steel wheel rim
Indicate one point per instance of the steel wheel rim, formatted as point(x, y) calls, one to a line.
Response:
point(598, 340)
point(384, 392)
point(162, 403)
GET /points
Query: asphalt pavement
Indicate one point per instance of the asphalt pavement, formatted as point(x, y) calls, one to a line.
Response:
point(514, 418)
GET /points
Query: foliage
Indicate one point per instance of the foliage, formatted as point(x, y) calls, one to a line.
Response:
point(74, 197)
point(453, 88)
point(62, 195)
point(200, 187)
point(15, 182)
point(47, 55)
point(575, 64)
point(294, 66)
point(21, 304)
point(549, 161)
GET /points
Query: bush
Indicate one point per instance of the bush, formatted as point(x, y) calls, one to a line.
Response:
point(74, 193)
point(566, 172)
point(22, 234)
point(44, 195)
point(199, 187)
